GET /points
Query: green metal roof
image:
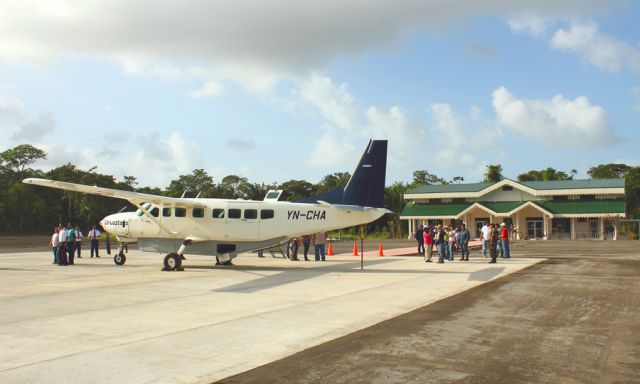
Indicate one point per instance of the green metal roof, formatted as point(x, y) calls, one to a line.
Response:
point(538, 185)
point(575, 184)
point(452, 209)
point(554, 207)
point(502, 206)
point(583, 207)
point(444, 188)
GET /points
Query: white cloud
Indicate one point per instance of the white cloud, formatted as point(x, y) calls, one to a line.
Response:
point(241, 145)
point(331, 150)
point(334, 102)
point(558, 121)
point(531, 24)
point(36, 129)
point(210, 88)
point(10, 107)
point(278, 35)
point(600, 50)
point(399, 128)
point(459, 140)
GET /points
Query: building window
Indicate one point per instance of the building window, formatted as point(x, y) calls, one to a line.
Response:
point(198, 212)
point(234, 213)
point(266, 214)
point(180, 212)
point(435, 201)
point(458, 200)
point(166, 212)
point(560, 198)
point(587, 197)
point(251, 214)
point(217, 213)
point(507, 188)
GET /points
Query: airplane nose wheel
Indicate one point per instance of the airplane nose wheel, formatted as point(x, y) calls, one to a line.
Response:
point(172, 262)
point(120, 258)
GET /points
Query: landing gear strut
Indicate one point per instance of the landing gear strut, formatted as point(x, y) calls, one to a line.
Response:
point(119, 257)
point(173, 261)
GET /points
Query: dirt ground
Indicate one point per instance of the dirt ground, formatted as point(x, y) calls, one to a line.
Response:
point(574, 318)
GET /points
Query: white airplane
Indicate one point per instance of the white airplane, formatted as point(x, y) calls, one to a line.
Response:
point(223, 228)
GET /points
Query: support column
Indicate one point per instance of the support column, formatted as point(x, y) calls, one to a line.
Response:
point(410, 228)
point(545, 227)
point(573, 228)
point(601, 219)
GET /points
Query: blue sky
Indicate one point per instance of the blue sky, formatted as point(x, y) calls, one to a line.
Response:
point(279, 90)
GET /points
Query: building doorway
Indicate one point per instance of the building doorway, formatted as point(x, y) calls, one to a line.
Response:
point(535, 227)
point(480, 221)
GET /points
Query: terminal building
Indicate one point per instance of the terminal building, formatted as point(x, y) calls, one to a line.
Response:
point(565, 209)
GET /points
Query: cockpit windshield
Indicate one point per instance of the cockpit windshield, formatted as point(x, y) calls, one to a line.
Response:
point(146, 206)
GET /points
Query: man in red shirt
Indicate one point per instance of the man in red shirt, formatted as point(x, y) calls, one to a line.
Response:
point(504, 240)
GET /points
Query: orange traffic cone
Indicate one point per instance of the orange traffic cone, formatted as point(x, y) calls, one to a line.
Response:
point(355, 249)
point(330, 251)
point(380, 253)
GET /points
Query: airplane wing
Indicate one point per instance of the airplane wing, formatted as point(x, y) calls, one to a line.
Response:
point(133, 197)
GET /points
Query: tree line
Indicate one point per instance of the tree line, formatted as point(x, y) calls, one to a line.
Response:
point(28, 210)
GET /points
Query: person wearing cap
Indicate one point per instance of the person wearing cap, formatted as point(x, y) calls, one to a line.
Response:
point(427, 236)
point(504, 241)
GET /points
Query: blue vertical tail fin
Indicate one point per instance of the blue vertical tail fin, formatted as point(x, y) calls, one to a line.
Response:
point(366, 185)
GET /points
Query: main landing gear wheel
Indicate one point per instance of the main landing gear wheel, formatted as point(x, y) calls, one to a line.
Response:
point(119, 258)
point(223, 263)
point(172, 262)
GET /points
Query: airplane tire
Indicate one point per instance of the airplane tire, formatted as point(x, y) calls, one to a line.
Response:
point(120, 258)
point(218, 262)
point(172, 262)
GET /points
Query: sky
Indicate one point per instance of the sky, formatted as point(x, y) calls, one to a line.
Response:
point(291, 89)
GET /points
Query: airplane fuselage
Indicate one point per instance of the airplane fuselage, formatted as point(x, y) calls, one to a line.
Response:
point(235, 220)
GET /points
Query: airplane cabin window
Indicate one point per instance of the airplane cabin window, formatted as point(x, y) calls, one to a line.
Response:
point(217, 213)
point(266, 214)
point(166, 212)
point(198, 212)
point(180, 212)
point(234, 213)
point(250, 213)
point(155, 212)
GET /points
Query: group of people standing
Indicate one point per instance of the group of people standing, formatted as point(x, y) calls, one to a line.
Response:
point(66, 242)
point(449, 240)
point(317, 239)
point(495, 240)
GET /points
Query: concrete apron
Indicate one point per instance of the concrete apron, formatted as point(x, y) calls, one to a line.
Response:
point(97, 322)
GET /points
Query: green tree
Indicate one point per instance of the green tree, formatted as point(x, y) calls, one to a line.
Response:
point(229, 187)
point(493, 173)
point(14, 164)
point(198, 182)
point(394, 201)
point(296, 189)
point(423, 177)
point(632, 191)
point(547, 174)
point(608, 171)
point(333, 181)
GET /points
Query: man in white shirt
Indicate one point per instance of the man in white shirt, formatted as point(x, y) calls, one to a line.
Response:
point(486, 236)
point(94, 235)
point(62, 246)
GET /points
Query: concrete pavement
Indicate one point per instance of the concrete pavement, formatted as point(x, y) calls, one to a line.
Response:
point(96, 322)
